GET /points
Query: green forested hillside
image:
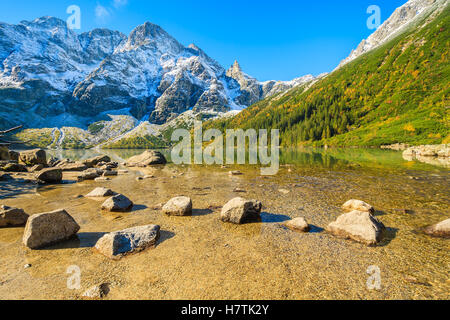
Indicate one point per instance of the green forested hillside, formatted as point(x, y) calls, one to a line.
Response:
point(396, 93)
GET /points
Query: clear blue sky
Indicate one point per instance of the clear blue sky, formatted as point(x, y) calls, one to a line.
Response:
point(276, 39)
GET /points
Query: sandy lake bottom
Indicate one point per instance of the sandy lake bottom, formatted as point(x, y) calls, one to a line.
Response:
point(200, 257)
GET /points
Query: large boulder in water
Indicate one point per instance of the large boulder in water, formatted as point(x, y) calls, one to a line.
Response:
point(441, 229)
point(12, 217)
point(148, 158)
point(50, 175)
point(179, 206)
point(115, 245)
point(359, 226)
point(32, 157)
point(240, 210)
point(49, 228)
point(118, 203)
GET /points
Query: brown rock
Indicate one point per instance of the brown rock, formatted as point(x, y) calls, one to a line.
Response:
point(37, 167)
point(32, 157)
point(14, 167)
point(12, 217)
point(50, 175)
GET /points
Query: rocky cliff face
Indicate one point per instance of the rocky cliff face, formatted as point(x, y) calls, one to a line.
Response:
point(254, 91)
point(52, 77)
point(401, 19)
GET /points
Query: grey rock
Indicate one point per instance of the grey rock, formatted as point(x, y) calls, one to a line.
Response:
point(359, 226)
point(100, 193)
point(240, 210)
point(178, 206)
point(90, 174)
point(116, 245)
point(92, 162)
point(118, 203)
point(49, 228)
point(73, 167)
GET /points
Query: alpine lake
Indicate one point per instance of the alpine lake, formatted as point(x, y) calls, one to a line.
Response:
point(200, 257)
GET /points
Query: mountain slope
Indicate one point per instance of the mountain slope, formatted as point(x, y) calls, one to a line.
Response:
point(402, 17)
point(397, 92)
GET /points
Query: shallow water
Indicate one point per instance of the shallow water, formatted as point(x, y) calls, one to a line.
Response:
point(200, 257)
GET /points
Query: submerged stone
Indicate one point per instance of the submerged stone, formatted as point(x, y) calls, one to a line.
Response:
point(118, 203)
point(358, 205)
point(441, 229)
point(116, 245)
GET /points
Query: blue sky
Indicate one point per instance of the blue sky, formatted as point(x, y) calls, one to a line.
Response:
point(277, 39)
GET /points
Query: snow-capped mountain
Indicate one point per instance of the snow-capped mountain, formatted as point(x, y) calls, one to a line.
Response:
point(399, 21)
point(52, 77)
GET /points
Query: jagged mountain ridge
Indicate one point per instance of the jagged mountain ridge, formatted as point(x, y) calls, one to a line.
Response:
point(50, 76)
point(402, 17)
point(254, 90)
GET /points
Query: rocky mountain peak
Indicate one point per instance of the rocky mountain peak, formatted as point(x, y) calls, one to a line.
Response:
point(152, 35)
point(46, 22)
